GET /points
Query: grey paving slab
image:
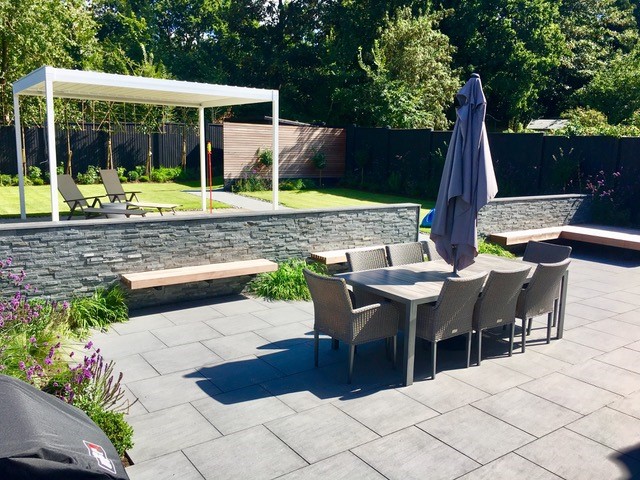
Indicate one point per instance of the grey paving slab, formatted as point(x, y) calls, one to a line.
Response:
point(572, 321)
point(629, 405)
point(478, 435)
point(509, 467)
point(526, 411)
point(142, 324)
point(630, 317)
point(634, 346)
point(299, 357)
point(622, 296)
point(587, 312)
point(603, 375)
point(321, 432)
point(573, 394)
point(283, 314)
point(611, 428)
point(412, 454)
point(237, 307)
point(600, 340)
point(159, 433)
point(186, 333)
point(532, 363)
point(582, 292)
point(609, 304)
point(172, 466)
point(250, 454)
point(575, 457)
point(285, 335)
point(240, 345)
point(245, 322)
point(604, 285)
point(241, 409)
point(116, 346)
point(240, 372)
point(624, 358)
point(490, 377)
point(614, 327)
point(194, 314)
point(182, 357)
point(443, 394)
point(565, 350)
point(309, 389)
point(344, 466)
point(134, 406)
point(172, 389)
point(134, 368)
point(385, 411)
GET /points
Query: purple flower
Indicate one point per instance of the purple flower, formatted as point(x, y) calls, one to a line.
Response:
point(48, 360)
point(32, 340)
point(21, 366)
point(72, 354)
point(89, 345)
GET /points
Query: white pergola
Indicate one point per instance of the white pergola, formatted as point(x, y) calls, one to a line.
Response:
point(52, 82)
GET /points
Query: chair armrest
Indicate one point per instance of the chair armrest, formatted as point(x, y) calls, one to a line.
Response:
point(379, 320)
point(132, 195)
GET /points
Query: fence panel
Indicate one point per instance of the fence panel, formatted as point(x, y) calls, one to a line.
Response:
point(560, 167)
point(516, 160)
point(408, 162)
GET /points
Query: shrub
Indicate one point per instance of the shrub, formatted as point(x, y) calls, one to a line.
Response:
point(37, 181)
point(115, 428)
point(5, 180)
point(188, 174)
point(163, 175)
point(143, 178)
point(286, 283)
point(34, 173)
point(251, 181)
point(104, 307)
point(122, 172)
point(493, 249)
point(292, 184)
point(133, 175)
point(265, 157)
point(90, 177)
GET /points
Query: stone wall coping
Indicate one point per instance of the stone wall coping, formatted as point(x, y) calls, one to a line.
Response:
point(537, 198)
point(199, 217)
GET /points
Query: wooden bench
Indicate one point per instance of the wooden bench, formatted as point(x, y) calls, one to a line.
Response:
point(597, 234)
point(197, 273)
point(331, 257)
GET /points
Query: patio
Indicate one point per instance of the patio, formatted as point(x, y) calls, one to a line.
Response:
point(227, 389)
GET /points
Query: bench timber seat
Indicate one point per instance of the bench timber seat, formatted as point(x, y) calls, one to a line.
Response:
point(331, 257)
point(596, 234)
point(197, 273)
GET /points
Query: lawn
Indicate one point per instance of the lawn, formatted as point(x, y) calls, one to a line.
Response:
point(339, 197)
point(38, 197)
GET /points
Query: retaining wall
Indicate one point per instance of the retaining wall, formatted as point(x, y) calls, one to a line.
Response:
point(75, 257)
point(524, 213)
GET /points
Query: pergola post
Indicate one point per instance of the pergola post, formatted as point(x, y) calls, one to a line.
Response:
point(51, 144)
point(18, 128)
point(275, 174)
point(203, 171)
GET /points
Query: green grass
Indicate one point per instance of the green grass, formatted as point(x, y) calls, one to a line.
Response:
point(38, 202)
point(339, 197)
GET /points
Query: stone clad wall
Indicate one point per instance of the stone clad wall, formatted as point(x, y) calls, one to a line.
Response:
point(524, 213)
point(76, 257)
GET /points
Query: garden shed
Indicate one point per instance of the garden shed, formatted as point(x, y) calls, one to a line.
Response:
point(53, 83)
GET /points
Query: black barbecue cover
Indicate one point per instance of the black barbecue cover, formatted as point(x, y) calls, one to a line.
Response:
point(41, 436)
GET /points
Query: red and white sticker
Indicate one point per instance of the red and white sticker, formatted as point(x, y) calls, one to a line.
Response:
point(97, 452)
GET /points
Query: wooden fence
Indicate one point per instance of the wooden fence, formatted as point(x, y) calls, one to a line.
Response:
point(298, 144)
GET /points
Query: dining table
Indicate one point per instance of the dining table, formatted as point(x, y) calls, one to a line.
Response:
point(419, 283)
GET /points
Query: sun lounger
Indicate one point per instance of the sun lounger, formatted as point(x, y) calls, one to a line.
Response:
point(89, 206)
point(116, 193)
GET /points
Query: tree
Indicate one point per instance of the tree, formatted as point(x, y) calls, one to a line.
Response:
point(515, 45)
point(412, 82)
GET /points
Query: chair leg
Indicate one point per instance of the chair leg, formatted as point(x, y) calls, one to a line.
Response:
point(394, 349)
point(316, 341)
point(352, 353)
point(513, 332)
point(434, 352)
point(529, 326)
point(335, 344)
point(555, 312)
point(549, 322)
point(469, 335)
point(479, 334)
point(524, 333)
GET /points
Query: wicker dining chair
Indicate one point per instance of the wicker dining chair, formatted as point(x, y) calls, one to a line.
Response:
point(497, 304)
point(541, 252)
point(541, 296)
point(366, 260)
point(335, 316)
point(430, 249)
point(451, 315)
point(405, 253)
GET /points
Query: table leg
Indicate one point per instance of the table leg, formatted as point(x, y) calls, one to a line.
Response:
point(563, 303)
point(409, 343)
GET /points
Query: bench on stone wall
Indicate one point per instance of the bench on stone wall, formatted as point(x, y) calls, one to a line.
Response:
point(196, 273)
point(599, 235)
point(331, 257)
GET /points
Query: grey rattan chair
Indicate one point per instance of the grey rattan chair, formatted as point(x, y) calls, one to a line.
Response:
point(540, 252)
point(430, 248)
point(497, 304)
point(541, 296)
point(335, 316)
point(405, 253)
point(451, 315)
point(366, 259)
